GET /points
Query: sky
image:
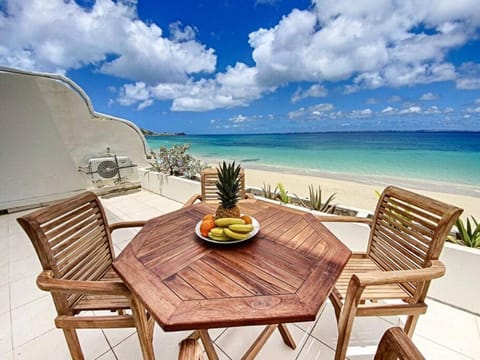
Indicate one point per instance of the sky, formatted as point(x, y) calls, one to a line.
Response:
point(259, 66)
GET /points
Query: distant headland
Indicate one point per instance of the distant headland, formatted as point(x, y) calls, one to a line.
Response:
point(146, 132)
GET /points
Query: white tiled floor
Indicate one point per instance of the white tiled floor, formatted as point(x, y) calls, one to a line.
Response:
point(27, 330)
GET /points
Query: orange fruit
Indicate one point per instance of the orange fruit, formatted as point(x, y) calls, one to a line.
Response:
point(209, 217)
point(247, 219)
point(206, 226)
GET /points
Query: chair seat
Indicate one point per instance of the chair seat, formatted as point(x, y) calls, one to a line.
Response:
point(377, 292)
point(103, 302)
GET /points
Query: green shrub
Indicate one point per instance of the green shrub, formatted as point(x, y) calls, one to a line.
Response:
point(176, 161)
point(268, 192)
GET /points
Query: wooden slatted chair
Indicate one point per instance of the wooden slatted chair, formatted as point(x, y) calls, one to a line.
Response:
point(396, 345)
point(407, 234)
point(73, 242)
point(209, 178)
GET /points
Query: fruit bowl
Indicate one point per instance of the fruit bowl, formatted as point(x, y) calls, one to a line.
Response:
point(256, 229)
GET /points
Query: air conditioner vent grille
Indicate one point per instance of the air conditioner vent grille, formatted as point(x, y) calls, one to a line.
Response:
point(107, 169)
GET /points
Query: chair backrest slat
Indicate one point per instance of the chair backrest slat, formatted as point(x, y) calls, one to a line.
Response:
point(209, 180)
point(72, 239)
point(73, 225)
point(408, 231)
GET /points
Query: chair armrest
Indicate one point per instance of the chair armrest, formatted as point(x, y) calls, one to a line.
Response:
point(343, 219)
point(434, 271)
point(192, 200)
point(47, 282)
point(127, 224)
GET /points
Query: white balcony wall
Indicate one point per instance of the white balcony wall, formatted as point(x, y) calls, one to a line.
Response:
point(47, 130)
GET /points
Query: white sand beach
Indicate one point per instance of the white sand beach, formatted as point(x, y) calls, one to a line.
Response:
point(357, 194)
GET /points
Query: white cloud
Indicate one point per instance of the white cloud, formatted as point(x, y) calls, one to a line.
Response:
point(145, 104)
point(316, 90)
point(411, 110)
point(368, 44)
point(468, 83)
point(238, 119)
point(371, 40)
point(475, 110)
point(429, 96)
point(432, 110)
point(57, 35)
point(237, 86)
point(363, 113)
point(178, 34)
point(389, 110)
point(133, 93)
point(469, 78)
point(327, 111)
point(394, 99)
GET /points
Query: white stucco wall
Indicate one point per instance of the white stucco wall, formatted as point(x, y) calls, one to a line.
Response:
point(48, 130)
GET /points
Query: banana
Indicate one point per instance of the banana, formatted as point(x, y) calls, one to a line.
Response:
point(218, 238)
point(223, 222)
point(234, 235)
point(241, 228)
point(217, 231)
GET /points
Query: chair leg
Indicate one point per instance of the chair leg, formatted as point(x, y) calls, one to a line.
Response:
point(410, 325)
point(73, 344)
point(143, 328)
point(344, 331)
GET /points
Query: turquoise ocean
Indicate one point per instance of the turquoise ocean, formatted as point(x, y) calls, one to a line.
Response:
point(434, 159)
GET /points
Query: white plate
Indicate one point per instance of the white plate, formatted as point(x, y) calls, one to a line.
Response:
point(256, 229)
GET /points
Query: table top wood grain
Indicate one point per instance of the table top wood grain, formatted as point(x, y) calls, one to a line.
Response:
point(283, 274)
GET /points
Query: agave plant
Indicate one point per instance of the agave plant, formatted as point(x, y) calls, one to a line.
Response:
point(469, 234)
point(268, 192)
point(315, 200)
point(282, 194)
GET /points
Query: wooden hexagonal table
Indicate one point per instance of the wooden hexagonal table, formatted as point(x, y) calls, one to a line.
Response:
point(284, 274)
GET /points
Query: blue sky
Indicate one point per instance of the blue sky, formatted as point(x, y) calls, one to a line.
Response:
point(259, 66)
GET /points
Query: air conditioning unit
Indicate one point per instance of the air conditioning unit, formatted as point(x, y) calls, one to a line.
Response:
point(110, 169)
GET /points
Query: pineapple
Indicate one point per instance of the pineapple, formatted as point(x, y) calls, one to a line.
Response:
point(228, 186)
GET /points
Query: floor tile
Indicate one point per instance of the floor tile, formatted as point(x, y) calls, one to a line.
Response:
point(93, 342)
point(107, 356)
point(5, 334)
point(20, 269)
point(8, 356)
point(315, 350)
point(366, 333)
point(32, 320)
point(24, 291)
point(236, 341)
point(4, 298)
point(50, 345)
point(165, 345)
point(4, 273)
point(461, 334)
point(433, 350)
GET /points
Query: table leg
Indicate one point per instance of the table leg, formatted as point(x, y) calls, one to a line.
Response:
point(286, 336)
point(258, 344)
point(207, 344)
